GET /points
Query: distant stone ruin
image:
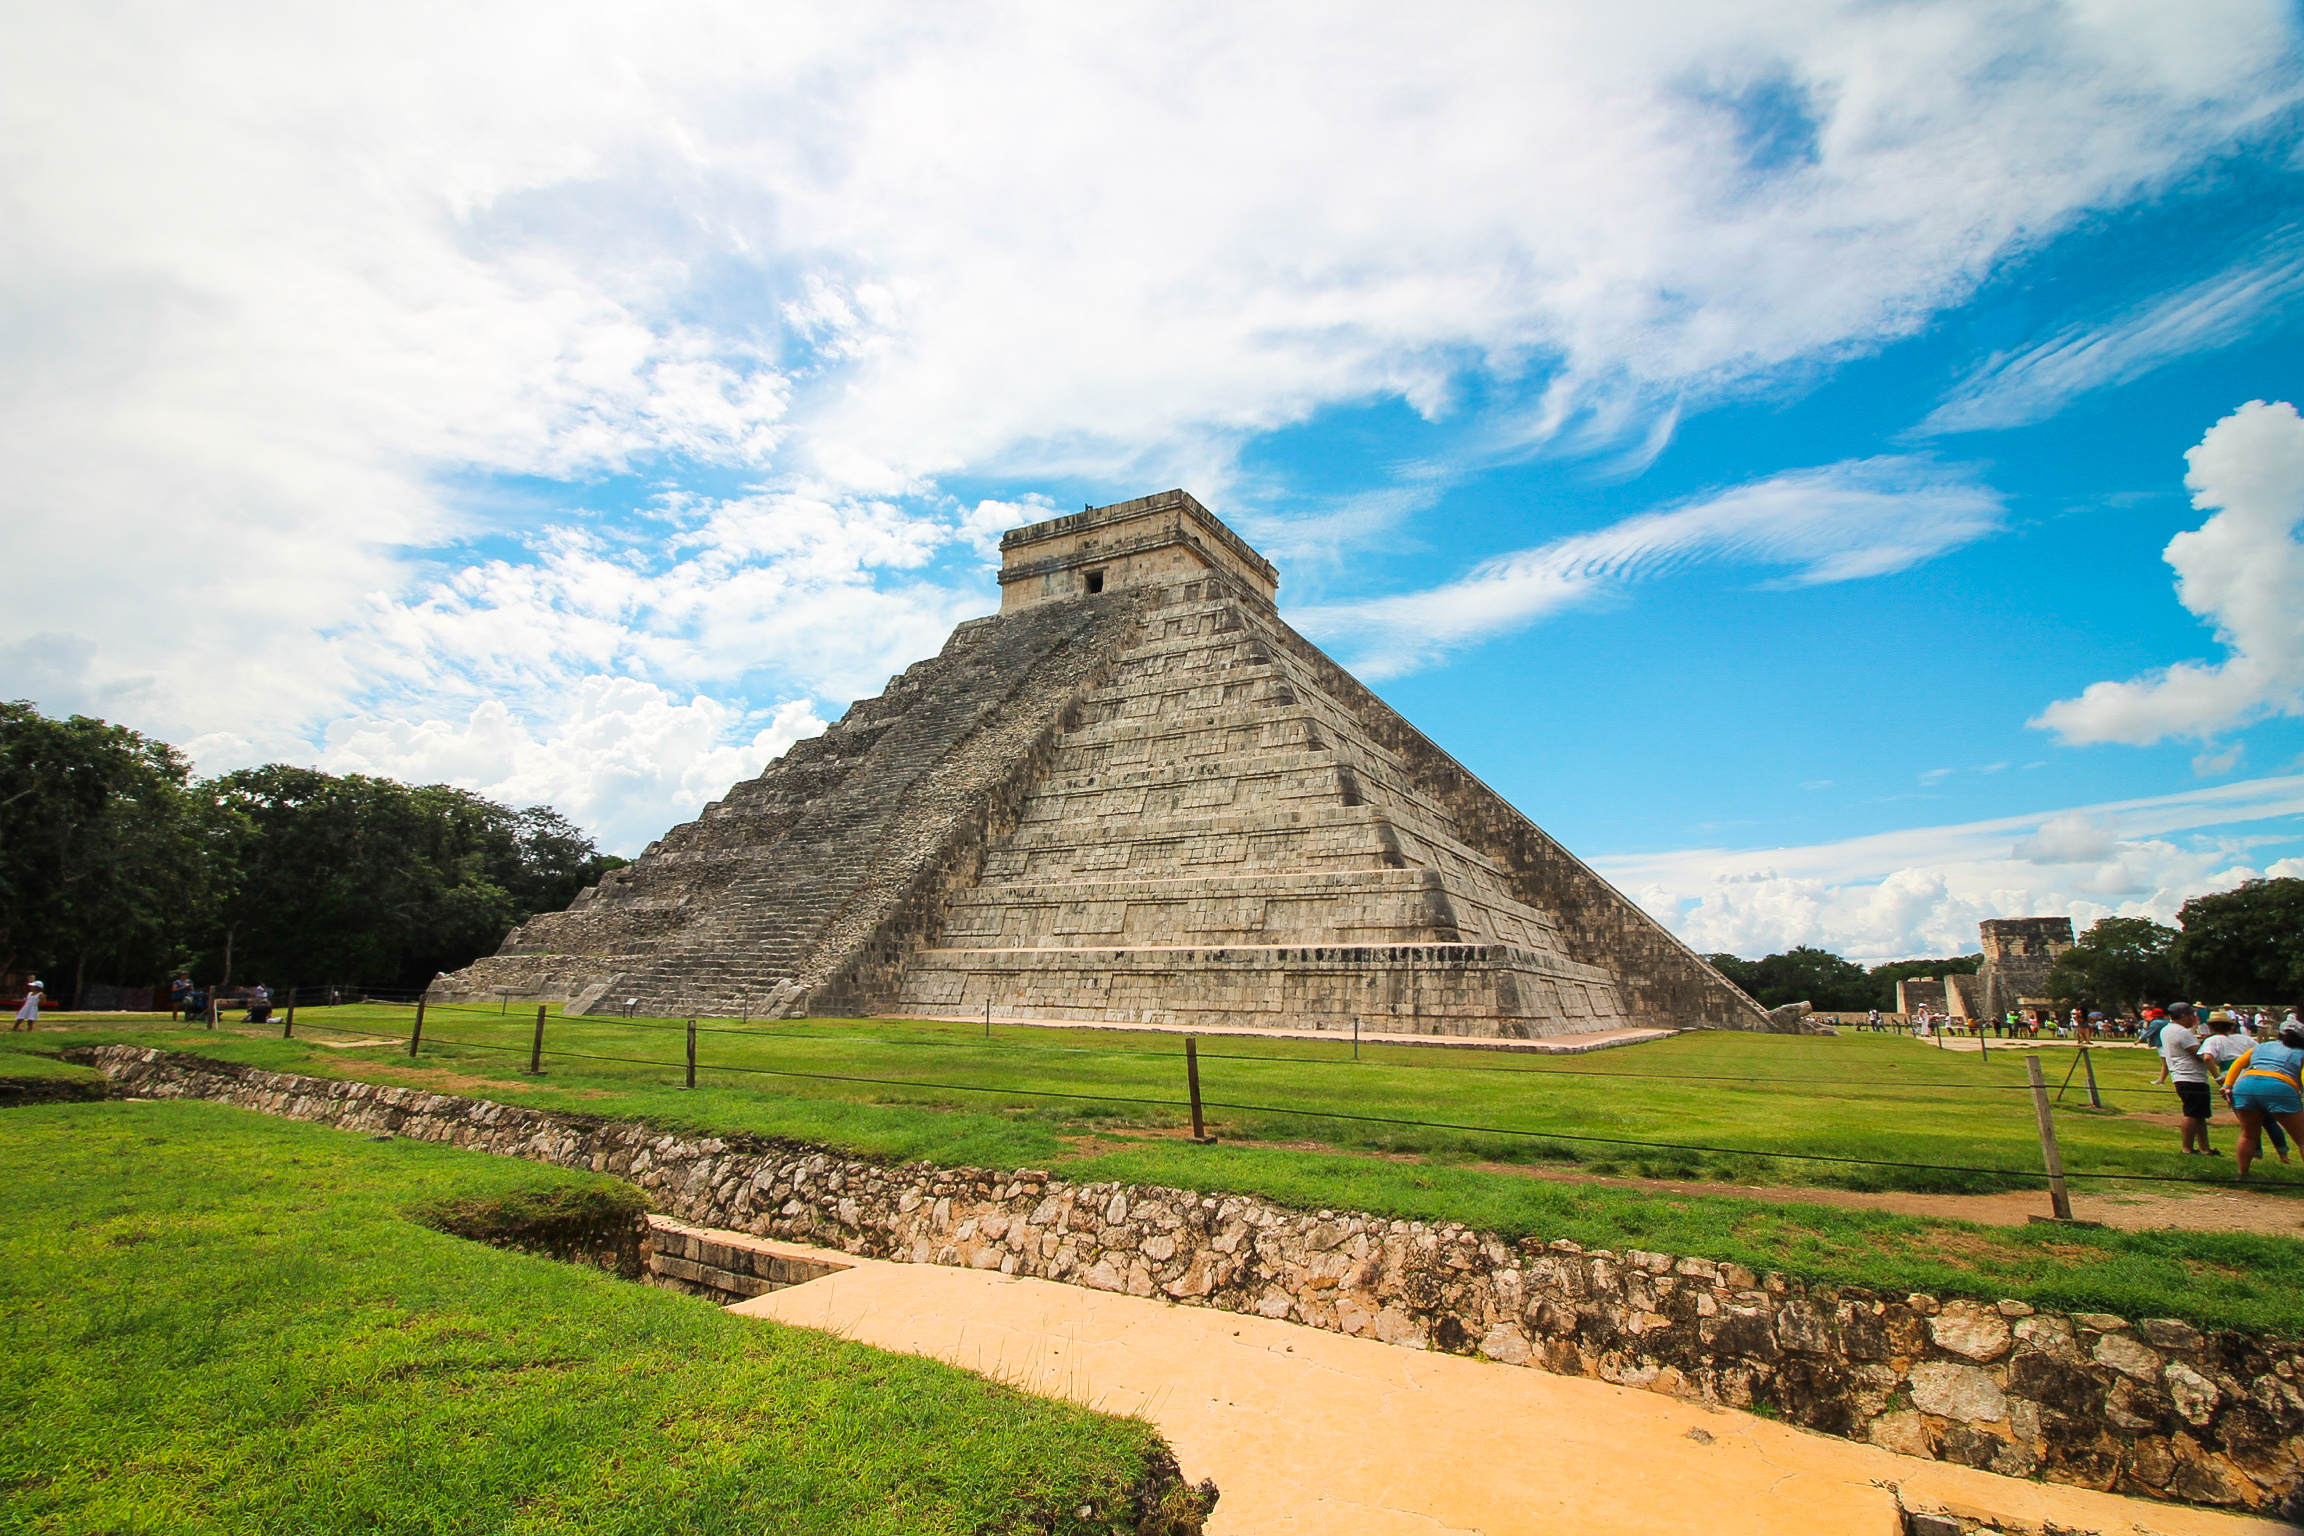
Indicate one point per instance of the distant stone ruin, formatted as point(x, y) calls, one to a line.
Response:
point(1134, 795)
point(2019, 952)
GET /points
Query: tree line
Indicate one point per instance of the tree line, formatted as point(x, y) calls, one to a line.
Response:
point(2237, 946)
point(117, 865)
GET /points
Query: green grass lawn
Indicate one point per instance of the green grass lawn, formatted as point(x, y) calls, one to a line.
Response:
point(941, 1092)
point(213, 1321)
point(1878, 1097)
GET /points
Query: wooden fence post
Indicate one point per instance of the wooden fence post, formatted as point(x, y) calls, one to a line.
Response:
point(1192, 1081)
point(2088, 1065)
point(2058, 1200)
point(416, 1034)
point(691, 1053)
point(288, 1019)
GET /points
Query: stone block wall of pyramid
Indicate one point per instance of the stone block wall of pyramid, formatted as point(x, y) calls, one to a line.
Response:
point(1135, 795)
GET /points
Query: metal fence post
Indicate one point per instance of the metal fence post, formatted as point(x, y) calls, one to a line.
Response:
point(1192, 1081)
point(2058, 1199)
point(536, 1050)
point(416, 1032)
point(691, 1053)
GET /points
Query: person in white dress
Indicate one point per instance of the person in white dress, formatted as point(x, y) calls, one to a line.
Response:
point(28, 1014)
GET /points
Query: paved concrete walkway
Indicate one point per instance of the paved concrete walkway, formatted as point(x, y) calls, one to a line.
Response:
point(1312, 1432)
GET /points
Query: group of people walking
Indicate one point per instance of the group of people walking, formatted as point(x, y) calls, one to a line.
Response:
point(2263, 1080)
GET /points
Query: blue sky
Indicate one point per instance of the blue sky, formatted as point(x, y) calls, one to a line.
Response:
point(1754, 438)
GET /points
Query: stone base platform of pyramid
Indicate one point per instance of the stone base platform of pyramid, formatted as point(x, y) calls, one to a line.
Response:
point(1133, 796)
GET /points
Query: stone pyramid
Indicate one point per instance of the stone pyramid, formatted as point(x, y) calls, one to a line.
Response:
point(1134, 795)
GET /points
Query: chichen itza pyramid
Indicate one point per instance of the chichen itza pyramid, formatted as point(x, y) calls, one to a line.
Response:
point(1134, 795)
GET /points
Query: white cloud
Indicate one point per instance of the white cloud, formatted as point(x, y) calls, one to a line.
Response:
point(1865, 517)
point(2243, 572)
point(2012, 390)
point(1922, 891)
point(281, 287)
point(627, 760)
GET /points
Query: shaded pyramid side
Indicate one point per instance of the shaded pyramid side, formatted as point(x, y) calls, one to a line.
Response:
point(802, 889)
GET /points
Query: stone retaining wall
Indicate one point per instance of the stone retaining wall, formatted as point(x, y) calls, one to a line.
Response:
point(722, 1266)
point(2154, 1408)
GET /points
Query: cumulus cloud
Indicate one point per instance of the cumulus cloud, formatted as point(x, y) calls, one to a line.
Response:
point(289, 294)
point(626, 760)
point(2015, 389)
point(1865, 517)
point(1923, 891)
point(2241, 571)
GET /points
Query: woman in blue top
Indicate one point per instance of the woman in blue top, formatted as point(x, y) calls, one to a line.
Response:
point(2267, 1083)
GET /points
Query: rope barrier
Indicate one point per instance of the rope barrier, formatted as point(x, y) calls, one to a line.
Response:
point(1309, 1061)
point(1320, 1114)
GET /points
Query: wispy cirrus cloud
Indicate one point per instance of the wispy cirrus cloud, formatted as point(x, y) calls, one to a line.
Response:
point(279, 281)
point(1837, 522)
point(2019, 388)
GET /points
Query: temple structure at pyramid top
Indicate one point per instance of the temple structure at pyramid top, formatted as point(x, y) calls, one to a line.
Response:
point(1133, 795)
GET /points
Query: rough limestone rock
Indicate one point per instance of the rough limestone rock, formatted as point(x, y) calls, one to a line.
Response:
point(1134, 795)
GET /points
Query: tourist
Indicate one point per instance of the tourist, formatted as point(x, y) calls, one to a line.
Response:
point(2180, 1063)
point(2266, 1086)
point(178, 989)
point(2223, 1045)
point(28, 1012)
point(2155, 1020)
point(259, 1000)
point(1872, 1021)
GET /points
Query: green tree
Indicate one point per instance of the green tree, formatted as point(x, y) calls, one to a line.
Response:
point(354, 878)
point(1799, 975)
point(2119, 964)
point(2244, 946)
point(106, 856)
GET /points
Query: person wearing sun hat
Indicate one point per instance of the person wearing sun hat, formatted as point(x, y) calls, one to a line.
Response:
point(28, 1013)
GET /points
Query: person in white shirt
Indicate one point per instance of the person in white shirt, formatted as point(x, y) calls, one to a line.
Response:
point(2180, 1063)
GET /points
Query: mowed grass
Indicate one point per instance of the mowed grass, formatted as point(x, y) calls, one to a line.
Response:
point(1098, 1104)
point(1942, 1121)
point(213, 1321)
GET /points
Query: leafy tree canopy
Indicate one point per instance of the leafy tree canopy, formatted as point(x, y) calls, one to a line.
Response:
point(1801, 975)
point(2117, 965)
point(2244, 946)
point(104, 852)
point(112, 856)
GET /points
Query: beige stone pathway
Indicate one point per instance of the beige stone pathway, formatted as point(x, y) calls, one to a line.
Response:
point(1314, 1434)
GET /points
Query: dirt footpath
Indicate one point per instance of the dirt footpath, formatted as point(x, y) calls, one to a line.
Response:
point(1309, 1433)
point(2132, 1209)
